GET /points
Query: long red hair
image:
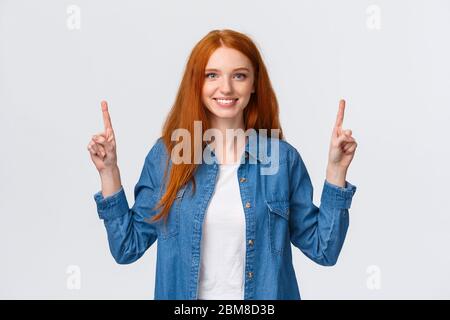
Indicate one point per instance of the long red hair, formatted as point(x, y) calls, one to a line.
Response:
point(260, 113)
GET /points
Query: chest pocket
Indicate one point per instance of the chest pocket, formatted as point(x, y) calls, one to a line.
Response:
point(172, 226)
point(278, 212)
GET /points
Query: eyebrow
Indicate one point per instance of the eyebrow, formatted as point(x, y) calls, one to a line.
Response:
point(240, 68)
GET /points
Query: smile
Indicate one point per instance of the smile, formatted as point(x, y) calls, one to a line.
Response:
point(226, 102)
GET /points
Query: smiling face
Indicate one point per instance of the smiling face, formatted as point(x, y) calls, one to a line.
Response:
point(228, 85)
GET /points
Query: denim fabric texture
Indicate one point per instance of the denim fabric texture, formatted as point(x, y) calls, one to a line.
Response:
point(279, 211)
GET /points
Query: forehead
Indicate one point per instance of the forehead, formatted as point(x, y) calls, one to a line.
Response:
point(228, 59)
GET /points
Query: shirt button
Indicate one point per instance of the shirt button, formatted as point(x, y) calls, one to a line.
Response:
point(247, 205)
point(250, 274)
point(250, 242)
point(243, 180)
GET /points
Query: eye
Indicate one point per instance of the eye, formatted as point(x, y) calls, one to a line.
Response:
point(243, 76)
point(208, 75)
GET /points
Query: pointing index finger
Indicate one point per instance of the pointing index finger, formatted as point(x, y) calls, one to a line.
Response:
point(340, 115)
point(106, 117)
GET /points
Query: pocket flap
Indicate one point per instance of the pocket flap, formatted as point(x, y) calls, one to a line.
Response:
point(279, 207)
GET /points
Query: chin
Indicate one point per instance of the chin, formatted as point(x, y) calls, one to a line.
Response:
point(224, 114)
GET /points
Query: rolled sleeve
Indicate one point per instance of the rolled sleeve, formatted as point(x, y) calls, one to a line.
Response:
point(334, 196)
point(113, 206)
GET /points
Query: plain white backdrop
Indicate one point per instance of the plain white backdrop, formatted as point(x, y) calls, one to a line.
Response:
point(388, 59)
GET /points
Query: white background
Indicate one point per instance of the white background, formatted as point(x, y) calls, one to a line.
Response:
point(395, 79)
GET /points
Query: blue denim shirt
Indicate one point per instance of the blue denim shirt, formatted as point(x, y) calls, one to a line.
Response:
point(278, 211)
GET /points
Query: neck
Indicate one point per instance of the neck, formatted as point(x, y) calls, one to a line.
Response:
point(232, 145)
point(224, 124)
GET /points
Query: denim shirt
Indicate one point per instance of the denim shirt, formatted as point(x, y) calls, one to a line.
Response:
point(278, 211)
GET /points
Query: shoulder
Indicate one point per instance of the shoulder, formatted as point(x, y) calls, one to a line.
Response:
point(157, 156)
point(158, 150)
point(287, 153)
point(288, 149)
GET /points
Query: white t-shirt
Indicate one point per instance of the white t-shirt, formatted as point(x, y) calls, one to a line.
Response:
point(222, 253)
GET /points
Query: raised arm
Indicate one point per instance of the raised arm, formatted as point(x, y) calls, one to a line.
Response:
point(128, 229)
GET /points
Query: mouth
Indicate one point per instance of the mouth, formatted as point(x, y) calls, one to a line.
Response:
point(226, 102)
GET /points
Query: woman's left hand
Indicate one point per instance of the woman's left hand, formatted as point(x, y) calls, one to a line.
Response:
point(342, 145)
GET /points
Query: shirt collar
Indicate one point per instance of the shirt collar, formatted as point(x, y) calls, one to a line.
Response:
point(252, 146)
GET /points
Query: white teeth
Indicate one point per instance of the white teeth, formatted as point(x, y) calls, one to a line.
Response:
point(225, 101)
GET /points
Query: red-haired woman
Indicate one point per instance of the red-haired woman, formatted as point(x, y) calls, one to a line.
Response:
point(226, 201)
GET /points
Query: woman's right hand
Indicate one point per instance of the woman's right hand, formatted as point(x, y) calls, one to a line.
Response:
point(102, 146)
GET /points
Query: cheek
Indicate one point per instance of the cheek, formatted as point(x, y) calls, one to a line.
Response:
point(245, 87)
point(207, 91)
point(244, 92)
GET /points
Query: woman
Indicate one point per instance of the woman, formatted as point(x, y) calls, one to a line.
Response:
point(225, 209)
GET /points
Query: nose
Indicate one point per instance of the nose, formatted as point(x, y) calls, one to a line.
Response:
point(226, 86)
